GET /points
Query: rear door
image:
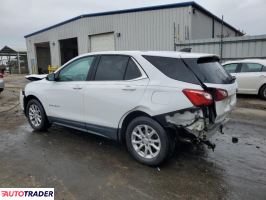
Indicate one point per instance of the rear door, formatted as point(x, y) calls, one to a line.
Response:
point(116, 88)
point(214, 76)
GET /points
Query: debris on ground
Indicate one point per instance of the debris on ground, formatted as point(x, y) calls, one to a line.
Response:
point(234, 139)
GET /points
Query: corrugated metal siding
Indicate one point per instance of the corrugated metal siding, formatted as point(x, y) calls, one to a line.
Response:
point(226, 30)
point(148, 30)
point(233, 47)
point(202, 27)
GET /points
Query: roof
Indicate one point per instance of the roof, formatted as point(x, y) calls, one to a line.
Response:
point(172, 54)
point(158, 7)
point(259, 61)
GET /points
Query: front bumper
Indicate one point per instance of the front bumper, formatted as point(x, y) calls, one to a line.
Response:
point(22, 99)
point(2, 85)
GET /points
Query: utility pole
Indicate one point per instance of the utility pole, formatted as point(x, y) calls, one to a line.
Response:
point(19, 68)
point(174, 37)
point(222, 35)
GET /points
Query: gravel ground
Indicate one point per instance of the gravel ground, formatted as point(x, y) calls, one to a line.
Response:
point(83, 166)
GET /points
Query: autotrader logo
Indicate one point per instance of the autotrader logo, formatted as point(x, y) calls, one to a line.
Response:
point(27, 193)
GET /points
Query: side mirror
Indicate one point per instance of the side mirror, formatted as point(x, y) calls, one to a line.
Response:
point(233, 77)
point(52, 77)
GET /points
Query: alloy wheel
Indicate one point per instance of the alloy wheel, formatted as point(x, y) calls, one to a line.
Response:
point(146, 141)
point(35, 115)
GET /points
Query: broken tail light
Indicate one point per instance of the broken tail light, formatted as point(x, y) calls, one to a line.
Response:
point(220, 94)
point(198, 97)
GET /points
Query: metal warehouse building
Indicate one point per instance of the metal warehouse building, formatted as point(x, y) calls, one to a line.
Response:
point(148, 28)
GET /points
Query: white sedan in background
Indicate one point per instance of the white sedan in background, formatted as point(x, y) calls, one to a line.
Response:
point(250, 75)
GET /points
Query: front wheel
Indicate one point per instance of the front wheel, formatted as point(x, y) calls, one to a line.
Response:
point(36, 115)
point(147, 141)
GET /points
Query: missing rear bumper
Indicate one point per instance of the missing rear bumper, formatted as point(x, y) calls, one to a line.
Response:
point(192, 125)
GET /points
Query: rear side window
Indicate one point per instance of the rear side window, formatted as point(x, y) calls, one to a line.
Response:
point(209, 70)
point(173, 68)
point(111, 67)
point(132, 71)
point(264, 69)
point(251, 67)
point(231, 68)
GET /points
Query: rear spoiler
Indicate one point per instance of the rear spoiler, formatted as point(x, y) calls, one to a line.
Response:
point(208, 59)
point(36, 77)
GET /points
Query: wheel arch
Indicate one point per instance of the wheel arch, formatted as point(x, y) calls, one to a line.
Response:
point(126, 120)
point(27, 99)
point(264, 84)
point(128, 117)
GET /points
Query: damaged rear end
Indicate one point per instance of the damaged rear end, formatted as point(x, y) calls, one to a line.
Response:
point(212, 104)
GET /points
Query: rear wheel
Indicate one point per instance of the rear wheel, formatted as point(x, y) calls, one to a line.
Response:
point(147, 141)
point(36, 115)
point(262, 92)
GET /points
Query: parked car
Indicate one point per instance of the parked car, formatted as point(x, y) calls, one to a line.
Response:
point(145, 99)
point(2, 83)
point(250, 76)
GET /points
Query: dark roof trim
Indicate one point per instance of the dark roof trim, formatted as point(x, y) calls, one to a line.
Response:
point(159, 7)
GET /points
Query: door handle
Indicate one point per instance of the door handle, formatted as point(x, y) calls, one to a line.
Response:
point(129, 88)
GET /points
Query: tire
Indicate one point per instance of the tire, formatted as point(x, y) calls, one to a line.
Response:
point(262, 92)
point(36, 115)
point(136, 130)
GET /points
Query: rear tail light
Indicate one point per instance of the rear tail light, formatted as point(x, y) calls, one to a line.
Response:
point(1, 76)
point(220, 94)
point(198, 97)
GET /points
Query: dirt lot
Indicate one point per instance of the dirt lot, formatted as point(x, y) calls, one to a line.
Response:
point(82, 166)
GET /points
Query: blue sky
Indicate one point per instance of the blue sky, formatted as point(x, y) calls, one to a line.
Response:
point(21, 17)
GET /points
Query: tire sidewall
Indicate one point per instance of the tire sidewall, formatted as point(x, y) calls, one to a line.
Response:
point(161, 133)
point(43, 115)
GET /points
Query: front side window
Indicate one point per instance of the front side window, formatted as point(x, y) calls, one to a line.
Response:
point(231, 68)
point(251, 67)
point(77, 70)
point(111, 67)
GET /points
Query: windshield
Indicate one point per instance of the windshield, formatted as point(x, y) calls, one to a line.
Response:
point(209, 71)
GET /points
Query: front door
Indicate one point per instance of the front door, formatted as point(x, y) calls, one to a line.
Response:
point(66, 95)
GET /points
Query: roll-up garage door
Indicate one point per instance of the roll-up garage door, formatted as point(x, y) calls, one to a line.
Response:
point(102, 42)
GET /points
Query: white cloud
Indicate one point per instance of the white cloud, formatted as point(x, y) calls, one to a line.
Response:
point(19, 18)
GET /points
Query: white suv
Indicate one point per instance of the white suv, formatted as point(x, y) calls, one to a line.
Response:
point(145, 99)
